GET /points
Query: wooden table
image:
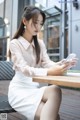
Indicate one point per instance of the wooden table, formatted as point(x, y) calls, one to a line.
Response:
point(68, 81)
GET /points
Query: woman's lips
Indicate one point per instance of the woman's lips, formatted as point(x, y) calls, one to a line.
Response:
point(36, 31)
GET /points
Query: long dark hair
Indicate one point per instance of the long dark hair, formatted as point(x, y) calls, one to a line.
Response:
point(31, 12)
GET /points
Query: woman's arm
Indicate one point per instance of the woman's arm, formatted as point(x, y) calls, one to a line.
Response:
point(20, 64)
point(58, 69)
point(54, 68)
point(45, 60)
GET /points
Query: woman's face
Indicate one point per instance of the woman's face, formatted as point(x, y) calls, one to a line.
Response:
point(34, 28)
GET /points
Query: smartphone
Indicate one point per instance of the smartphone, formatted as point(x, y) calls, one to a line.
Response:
point(70, 57)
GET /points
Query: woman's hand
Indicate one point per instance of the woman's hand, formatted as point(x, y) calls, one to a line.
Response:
point(72, 62)
point(58, 69)
point(62, 66)
point(71, 58)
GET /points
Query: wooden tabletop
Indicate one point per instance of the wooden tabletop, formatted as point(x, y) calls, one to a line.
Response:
point(68, 81)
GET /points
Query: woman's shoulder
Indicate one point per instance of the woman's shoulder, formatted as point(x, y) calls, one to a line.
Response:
point(13, 41)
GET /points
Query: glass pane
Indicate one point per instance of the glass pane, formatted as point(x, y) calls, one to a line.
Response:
point(52, 11)
point(53, 42)
point(51, 28)
point(53, 37)
point(2, 24)
point(5, 18)
point(1, 8)
point(47, 3)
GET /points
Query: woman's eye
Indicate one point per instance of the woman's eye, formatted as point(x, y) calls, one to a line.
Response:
point(41, 24)
point(38, 23)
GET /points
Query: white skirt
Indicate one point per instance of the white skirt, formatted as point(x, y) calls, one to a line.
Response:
point(24, 95)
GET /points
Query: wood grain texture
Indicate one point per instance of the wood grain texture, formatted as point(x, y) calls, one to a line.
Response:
point(67, 81)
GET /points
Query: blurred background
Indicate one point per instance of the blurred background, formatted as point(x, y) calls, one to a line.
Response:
point(61, 31)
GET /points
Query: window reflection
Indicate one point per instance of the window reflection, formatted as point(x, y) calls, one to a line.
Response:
point(47, 3)
point(53, 42)
point(5, 16)
point(53, 37)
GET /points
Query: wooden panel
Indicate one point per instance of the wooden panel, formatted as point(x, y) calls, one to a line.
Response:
point(68, 81)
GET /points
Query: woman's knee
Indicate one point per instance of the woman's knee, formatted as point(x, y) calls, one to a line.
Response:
point(55, 90)
point(51, 91)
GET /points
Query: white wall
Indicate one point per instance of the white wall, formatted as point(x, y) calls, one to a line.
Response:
point(74, 32)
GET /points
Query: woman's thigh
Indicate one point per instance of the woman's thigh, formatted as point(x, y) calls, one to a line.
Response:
point(38, 112)
point(49, 91)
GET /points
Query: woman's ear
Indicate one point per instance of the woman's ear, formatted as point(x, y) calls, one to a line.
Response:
point(24, 21)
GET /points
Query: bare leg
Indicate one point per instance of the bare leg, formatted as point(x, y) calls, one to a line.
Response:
point(49, 106)
point(38, 112)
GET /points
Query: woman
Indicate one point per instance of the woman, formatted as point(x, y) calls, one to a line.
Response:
point(29, 58)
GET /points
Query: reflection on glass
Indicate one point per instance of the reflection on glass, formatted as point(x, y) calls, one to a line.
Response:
point(5, 16)
point(53, 37)
point(51, 30)
point(1, 1)
point(53, 42)
point(48, 3)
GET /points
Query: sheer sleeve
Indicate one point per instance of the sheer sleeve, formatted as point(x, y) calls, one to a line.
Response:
point(20, 64)
point(46, 62)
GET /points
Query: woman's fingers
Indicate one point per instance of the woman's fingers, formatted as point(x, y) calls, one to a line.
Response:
point(69, 64)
